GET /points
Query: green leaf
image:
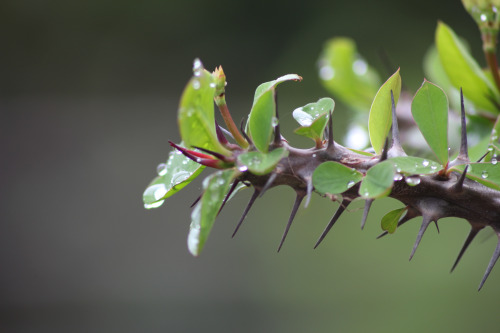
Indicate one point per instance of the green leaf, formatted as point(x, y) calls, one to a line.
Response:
point(204, 213)
point(415, 165)
point(196, 113)
point(263, 113)
point(391, 219)
point(463, 71)
point(345, 74)
point(260, 163)
point(430, 111)
point(487, 174)
point(313, 117)
point(378, 181)
point(334, 178)
point(380, 120)
point(172, 177)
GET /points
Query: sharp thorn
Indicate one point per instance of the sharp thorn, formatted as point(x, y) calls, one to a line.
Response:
point(340, 210)
point(247, 209)
point(396, 142)
point(481, 158)
point(213, 153)
point(472, 234)
point(458, 187)
point(226, 132)
point(220, 135)
point(296, 206)
point(383, 157)
point(491, 264)
point(368, 205)
point(242, 128)
point(437, 226)
point(385, 233)
point(196, 201)
point(309, 192)
point(268, 184)
point(331, 143)
point(425, 223)
point(226, 198)
point(277, 133)
point(463, 154)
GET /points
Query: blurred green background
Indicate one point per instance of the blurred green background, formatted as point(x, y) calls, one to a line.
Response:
point(88, 98)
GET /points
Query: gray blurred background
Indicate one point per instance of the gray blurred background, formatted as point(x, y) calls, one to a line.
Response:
point(88, 99)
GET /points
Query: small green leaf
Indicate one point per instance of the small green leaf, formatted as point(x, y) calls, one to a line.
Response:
point(334, 178)
point(260, 120)
point(415, 165)
point(380, 120)
point(391, 219)
point(487, 174)
point(204, 213)
point(378, 181)
point(260, 163)
point(172, 177)
point(347, 75)
point(463, 71)
point(196, 112)
point(430, 111)
point(313, 117)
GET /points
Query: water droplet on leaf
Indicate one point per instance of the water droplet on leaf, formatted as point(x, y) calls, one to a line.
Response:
point(326, 73)
point(425, 163)
point(397, 177)
point(484, 174)
point(161, 169)
point(412, 180)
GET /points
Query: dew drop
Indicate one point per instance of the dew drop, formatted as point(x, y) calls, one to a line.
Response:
point(490, 148)
point(313, 155)
point(484, 174)
point(359, 67)
point(196, 84)
point(198, 160)
point(161, 169)
point(243, 168)
point(350, 184)
point(275, 121)
point(484, 18)
point(397, 177)
point(494, 161)
point(425, 163)
point(433, 167)
point(326, 73)
point(412, 180)
point(154, 205)
point(197, 67)
point(212, 85)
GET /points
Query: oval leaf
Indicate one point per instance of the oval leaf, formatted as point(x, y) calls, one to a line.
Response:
point(380, 120)
point(430, 111)
point(196, 112)
point(313, 117)
point(378, 181)
point(334, 178)
point(347, 75)
point(260, 120)
point(259, 163)
point(172, 177)
point(390, 220)
point(415, 165)
point(463, 71)
point(204, 213)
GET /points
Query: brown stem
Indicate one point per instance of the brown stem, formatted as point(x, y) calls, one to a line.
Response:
point(231, 126)
point(489, 47)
